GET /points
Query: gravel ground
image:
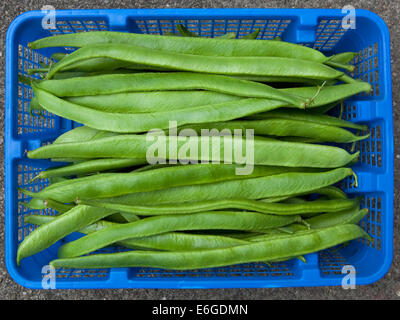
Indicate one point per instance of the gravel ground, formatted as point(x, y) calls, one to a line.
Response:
point(387, 288)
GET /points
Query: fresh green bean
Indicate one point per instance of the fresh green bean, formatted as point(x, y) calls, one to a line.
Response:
point(266, 151)
point(332, 192)
point(243, 204)
point(138, 102)
point(142, 102)
point(263, 66)
point(117, 83)
point(142, 122)
point(344, 57)
point(279, 127)
point(308, 116)
point(291, 245)
point(324, 220)
point(226, 220)
point(352, 215)
point(328, 94)
point(115, 184)
point(188, 45)
point(90, 166)
point(171, 241)
point(279, 185)
point(75, 219)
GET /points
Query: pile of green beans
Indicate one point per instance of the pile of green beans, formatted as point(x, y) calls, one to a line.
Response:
point(188, 211)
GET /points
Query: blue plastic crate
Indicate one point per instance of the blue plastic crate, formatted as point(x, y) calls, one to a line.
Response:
point(320, 29)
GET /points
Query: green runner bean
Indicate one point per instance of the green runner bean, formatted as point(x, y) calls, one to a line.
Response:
point(117, 83)
point(114, 184)
point(170, 241)
point(73, 220)
point(266, 151)
point(225, 220)
point(263, 66)
point(142, 122)
point(195, 46)
point(243, 204)
point(291, 245)
point(279, 185)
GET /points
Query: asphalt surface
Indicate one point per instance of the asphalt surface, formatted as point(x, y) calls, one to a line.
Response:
point(386, 288)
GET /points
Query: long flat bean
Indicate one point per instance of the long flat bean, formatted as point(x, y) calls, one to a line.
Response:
point(263, 66)
point(299, 244)
point(170, 241)
point(243, 204)
point(142, 82)
point(90, 166)
point(281, 127)
point(266, 151)
point(196, 46)
point(75, 219)
point(141, 102)
point(308, 116)
point(142, 122)
point(279, 185)
point(114, 184)
point(226, 220)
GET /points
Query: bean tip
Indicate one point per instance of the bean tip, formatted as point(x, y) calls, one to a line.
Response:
point(355, 183)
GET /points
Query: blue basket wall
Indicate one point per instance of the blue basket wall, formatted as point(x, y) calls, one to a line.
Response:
point(320, 29)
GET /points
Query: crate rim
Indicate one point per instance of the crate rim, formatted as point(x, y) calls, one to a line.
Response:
point(204, 12)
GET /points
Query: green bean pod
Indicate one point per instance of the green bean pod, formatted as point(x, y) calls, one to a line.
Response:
point(139, 102)
point(115, 184)
point(144, 82)
point(243, 204)
point(142, 122)
point(324, 220)
point(278, 185)
point(309, 117)
point(266, 151)
point(291, 245)
point(353, 215)
point(188, 45)
point(90, 166)
point(280, 127)
point(170, 241)
point(263, 66)
point(157, 101)
point(75, 219)
point(344, 57)
point(226, 220)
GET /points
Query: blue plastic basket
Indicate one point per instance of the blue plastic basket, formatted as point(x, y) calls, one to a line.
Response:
point(320, 29)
